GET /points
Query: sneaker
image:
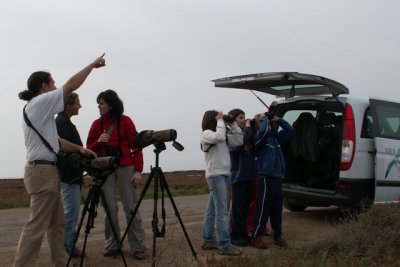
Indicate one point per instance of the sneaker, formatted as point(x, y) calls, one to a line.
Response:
point(110, 252)
point(233, 251)
point(266, 231)
point(240, 242)
point(208, 246)
point(280, 242)
point(139, 255)
point(257, 242)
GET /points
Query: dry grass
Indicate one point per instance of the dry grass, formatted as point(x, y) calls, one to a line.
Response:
point(371, 238)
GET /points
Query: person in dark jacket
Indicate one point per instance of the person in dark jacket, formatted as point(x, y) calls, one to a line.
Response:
point(270, 170)
point(71, 179)
point(243, 173)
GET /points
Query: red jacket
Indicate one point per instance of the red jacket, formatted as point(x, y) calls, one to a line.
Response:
point(126, 142)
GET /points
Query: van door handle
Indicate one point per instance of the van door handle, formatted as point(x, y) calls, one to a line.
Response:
point(373, 152)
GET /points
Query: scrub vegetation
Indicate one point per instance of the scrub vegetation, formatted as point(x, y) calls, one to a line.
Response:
point(371, 238)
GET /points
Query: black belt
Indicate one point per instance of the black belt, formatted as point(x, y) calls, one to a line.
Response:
point(41, 162)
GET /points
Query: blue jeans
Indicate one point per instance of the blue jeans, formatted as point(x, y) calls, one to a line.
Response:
point(215, 225)
point(71, 201)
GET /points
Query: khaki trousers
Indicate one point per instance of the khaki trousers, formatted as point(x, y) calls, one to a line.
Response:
point(46, 217)
point(121, 180)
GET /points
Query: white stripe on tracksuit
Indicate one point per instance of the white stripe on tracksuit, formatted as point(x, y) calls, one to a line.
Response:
point(258, 227)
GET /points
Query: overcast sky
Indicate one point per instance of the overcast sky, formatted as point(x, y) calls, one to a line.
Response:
point(161, 56)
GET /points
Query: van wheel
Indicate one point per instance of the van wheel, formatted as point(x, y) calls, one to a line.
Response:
point(292, 207)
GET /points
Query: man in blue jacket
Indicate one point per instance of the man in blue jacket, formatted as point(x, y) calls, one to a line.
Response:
point(270, 170)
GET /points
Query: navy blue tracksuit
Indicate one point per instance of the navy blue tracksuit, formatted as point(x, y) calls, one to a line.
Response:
point(270, 169)
point(243, 173)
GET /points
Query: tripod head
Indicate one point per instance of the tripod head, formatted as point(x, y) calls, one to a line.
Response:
point(101, 177)
point(159, 146)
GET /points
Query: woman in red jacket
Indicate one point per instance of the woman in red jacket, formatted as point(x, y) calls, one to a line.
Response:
point(114, 134)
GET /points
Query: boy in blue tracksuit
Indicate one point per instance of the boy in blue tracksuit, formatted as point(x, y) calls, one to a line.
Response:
point(270, 170)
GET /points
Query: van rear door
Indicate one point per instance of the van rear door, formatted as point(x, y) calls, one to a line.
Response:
point(386, 128)
point(284, 84)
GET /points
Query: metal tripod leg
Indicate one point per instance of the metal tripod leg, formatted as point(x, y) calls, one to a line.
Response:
point(90, 206)
point(116, 236)
point(156, 175)
point(154, 221)
point(177, 214)
point(87, 206)
point(134, 212)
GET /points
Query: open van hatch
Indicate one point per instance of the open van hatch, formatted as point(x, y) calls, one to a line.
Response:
point(284, 84)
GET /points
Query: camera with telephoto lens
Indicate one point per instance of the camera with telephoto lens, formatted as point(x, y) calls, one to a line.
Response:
point(99, 168)
point(228, 118)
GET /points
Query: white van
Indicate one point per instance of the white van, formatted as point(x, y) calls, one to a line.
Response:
point(344, 151)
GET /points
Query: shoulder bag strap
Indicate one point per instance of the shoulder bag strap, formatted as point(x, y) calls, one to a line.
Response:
point(206, 150)
point(111, 128)
point(29, 123)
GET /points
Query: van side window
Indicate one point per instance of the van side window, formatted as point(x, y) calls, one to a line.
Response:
point(387, 119)
point(394, 124)
point(367, 130)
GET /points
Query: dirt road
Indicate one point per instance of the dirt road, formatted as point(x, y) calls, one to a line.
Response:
point(173, 250)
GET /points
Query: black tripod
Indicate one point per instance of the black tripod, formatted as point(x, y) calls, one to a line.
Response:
point(91, 203)
point(159, 179)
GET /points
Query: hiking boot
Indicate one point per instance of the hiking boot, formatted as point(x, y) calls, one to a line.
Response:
point(233, 251)
point(208, 246)
point(280, 242)
point(257, 242)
